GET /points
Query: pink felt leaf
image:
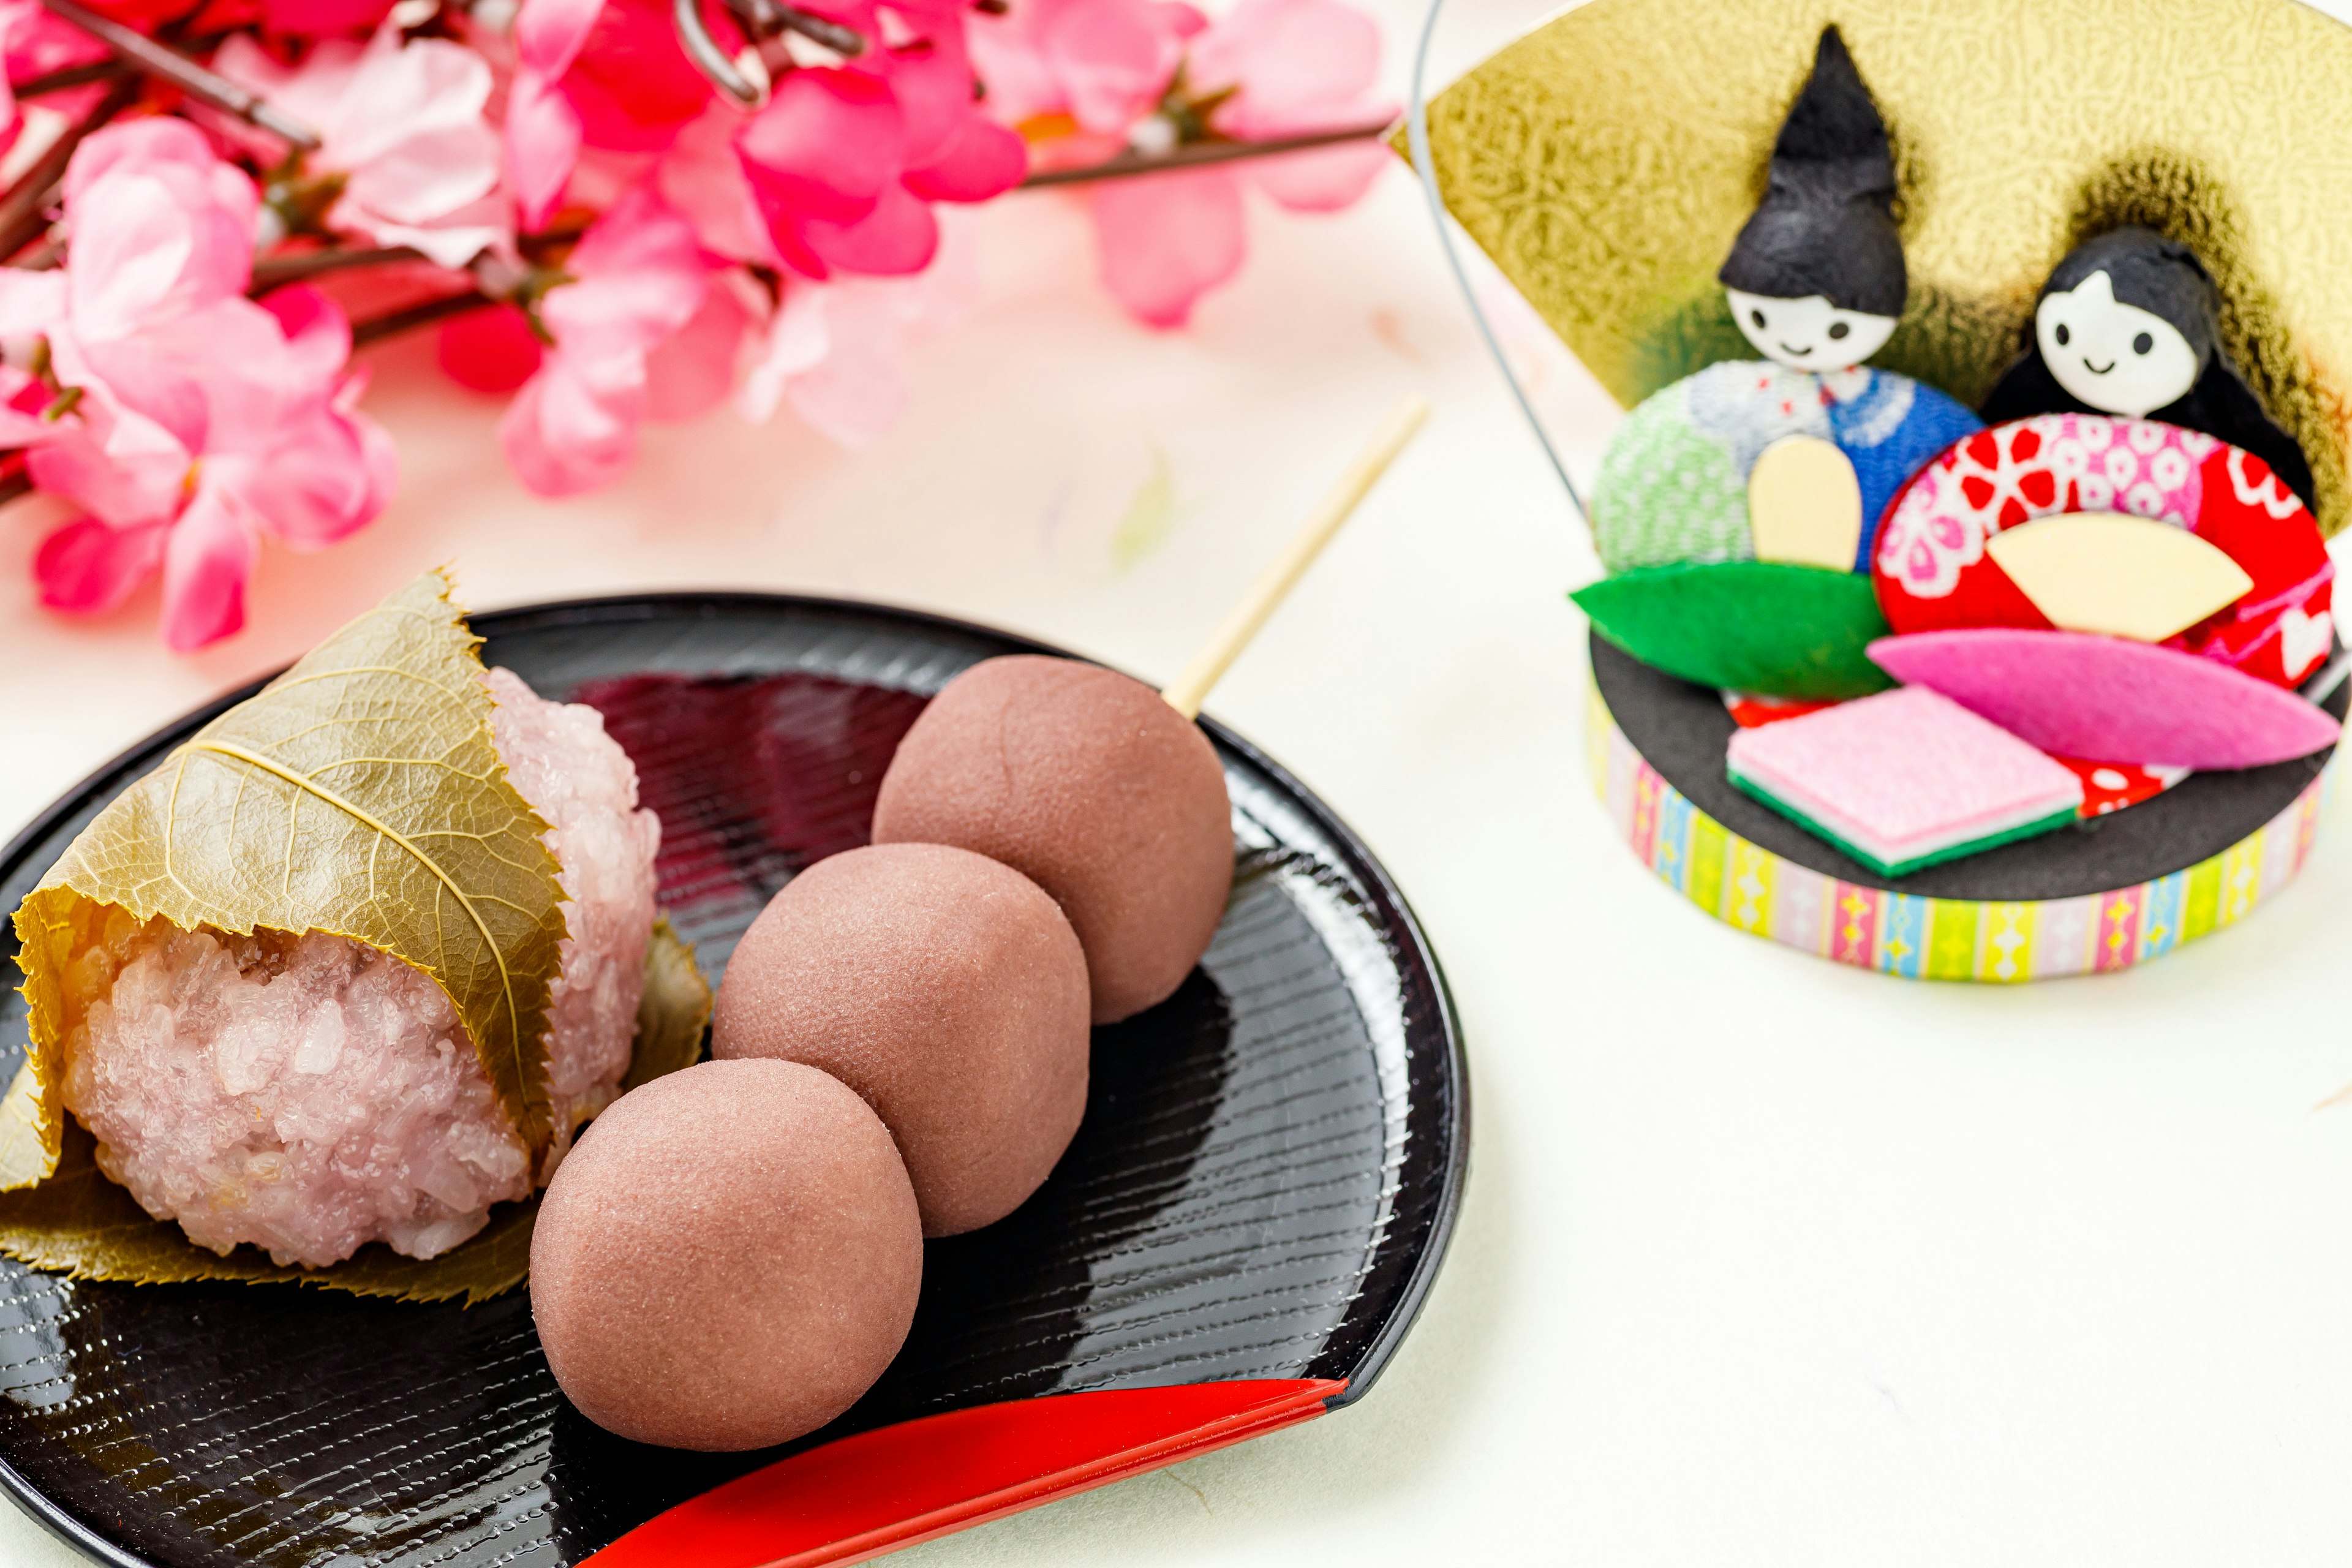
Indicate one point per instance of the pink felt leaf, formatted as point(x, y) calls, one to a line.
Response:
point(2080, 695)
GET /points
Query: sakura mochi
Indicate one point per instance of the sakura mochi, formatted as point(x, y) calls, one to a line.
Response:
point(310, 1094)
point(1904, 779)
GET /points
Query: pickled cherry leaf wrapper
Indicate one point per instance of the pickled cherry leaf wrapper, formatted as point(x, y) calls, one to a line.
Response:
point(80, 1224)
point(360, 793)
point(675, 1012)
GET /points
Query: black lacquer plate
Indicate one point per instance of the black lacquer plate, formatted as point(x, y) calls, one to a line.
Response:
point(1262, 1188)
point(1682, 731)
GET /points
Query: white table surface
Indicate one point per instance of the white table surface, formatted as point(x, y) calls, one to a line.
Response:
point(1764, 1260)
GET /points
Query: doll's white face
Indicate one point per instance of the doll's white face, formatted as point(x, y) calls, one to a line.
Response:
point(2113, 356)
point(1810, 333)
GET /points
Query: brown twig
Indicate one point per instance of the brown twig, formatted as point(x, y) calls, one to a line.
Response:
point(24, 212)
point(144, 53)
point(271, 271)
point(19, 483)
point(1193, 154)
point(392, 322)
point(70, 77)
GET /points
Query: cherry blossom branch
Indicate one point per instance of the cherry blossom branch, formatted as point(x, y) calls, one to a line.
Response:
point(12, 486)
point(24, 212)
point(144, 53)
point(1193, 154)
point(394, 322)
point(70, 77)
point(272, 272)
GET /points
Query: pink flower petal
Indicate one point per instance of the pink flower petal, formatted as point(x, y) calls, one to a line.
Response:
point(321, 18)
point(318, 333)
point(85, 567)
point(543, 143)
point(156, 145)
point(1166, 239)
point(981, 159)
point(1284, 57)
point(630, 81)
point(692, 372)
point(125, 467)
point(703, 179)
point(1115, 60)
point(563, 439)
point(898, 237)
point(30, 302)
point(931, 78)
point(491, 351)
point(826, 147)
point(325, 479)
point(160, 225)
point(861, 388)
point(1322, 181)
point(207, 561)
point(1008, 53)
point(795, 341)
point(548, 34)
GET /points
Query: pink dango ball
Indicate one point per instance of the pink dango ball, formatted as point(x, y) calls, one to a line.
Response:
point(946, 989)
point(1090, 786)
point(727, 1258)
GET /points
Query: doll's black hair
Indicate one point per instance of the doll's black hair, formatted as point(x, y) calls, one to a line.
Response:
point(1826, 225)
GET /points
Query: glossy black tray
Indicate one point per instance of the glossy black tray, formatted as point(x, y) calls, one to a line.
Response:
point(1262, 1188)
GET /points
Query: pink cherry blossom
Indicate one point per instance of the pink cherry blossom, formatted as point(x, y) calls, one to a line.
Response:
point(1268, 69)
point(703, 179)
point(844, 162)
point(836, 354)
point(198, 419)
point(606, 73)
point(402, 123)
point(640, 279)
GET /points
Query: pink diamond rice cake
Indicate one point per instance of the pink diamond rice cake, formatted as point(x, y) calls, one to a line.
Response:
point(310, 1094)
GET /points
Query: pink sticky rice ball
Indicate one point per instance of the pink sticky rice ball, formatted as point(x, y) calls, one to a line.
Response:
point(309, 1094)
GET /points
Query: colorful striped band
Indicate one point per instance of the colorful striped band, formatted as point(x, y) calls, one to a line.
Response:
point(1935, 939)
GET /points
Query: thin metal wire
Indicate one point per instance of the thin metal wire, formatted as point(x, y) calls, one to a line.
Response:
point(711, 61)
point(1416, 126)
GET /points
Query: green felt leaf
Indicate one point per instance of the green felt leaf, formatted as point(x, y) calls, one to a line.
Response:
point(80, 1224)
point(1764, 626)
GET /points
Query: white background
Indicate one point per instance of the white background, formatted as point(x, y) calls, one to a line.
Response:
point(1764, 1260)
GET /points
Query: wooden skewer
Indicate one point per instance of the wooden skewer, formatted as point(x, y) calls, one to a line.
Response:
point(1192, 687)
